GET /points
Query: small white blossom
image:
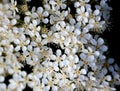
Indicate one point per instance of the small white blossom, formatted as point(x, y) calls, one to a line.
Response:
point(13, 7)
point(83, 71)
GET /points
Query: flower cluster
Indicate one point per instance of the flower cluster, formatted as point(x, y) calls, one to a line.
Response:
point(60, 42)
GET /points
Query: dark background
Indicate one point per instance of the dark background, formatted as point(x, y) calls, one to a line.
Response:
point(113, 36)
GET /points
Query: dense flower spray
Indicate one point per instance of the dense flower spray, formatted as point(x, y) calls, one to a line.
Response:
point(59, 41)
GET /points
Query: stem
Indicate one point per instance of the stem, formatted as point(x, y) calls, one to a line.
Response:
point(92, 1)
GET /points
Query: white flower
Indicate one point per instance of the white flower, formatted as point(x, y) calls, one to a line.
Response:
point(27, 19)
point(108, 78)
point(46, 88)
point(3, 87)
point(15, 83)
point(54, 88)
point(45, 20)
point(24, 48)
point(82, 15)
point(111, 60)
point(55, 66)
point(116, 66)
point(2, 78)
point(13, 21)
point(97, 53)
point(72, 21)
point(83, 56)
point(16, 41)
point(91, 58)
point(56, 5)
point(103, 48)
point(105, 9)
point(76, 4)
point(13, 7)
point(84, 36)
point(83, 71)
point(77, 31)
point(99, 44)
point(42, 14)
point(100, 41)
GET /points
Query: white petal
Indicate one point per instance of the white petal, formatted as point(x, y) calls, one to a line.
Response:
point(86, 14)
point(88, 36)
point(93, 41)
point(30, 48)
point(96, 12)
point(35, 58)
point(67, 51)
point(34, 15)
point(72, 21)
point(45, 14)
point(91, 21)
point(58, 52)
point(82, 9)
point(27, 13)
point(104, 48)
point(98, 18)
point(2, 78)
point(85, 30)
point(40, 10)
point(63, 6)
point(117, 68)
point(17, 48)
point(83, 40)
point(76, 4)
point(62, 24)
point(77, 32)
point(85, 19)
point(34, 22)
point(91, 58)
point(54, 88)
point(97, 53)
point(27, 20)
point(24, 48)
point(17, 41)
point(78, 10)
point(13, 22)
point(53, 57)
point(79, 18)
point(110, 60)
point(83, 56)
point(83, 71)
point(45, 20)
point(46, 88)
point(56, 68)
point(108, 78)
point(100, 41)
point(2, 86)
